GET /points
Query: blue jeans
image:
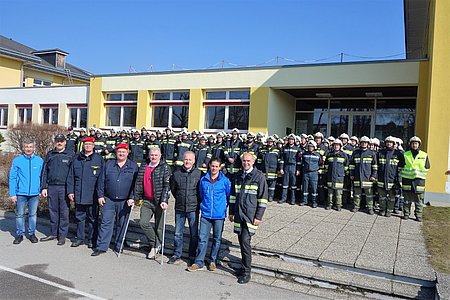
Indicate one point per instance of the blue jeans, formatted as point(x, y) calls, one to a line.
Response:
point(22, 202)
point(180, 219)
point(205, 229)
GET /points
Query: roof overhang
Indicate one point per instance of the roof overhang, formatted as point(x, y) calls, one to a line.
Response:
point(417, 15)
point(19, 56)
point(61, 72)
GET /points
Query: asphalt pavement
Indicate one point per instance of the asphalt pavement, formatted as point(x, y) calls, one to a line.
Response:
point(47, 271)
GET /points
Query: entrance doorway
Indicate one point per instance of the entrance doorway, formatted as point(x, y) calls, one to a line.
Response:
point(357, 124)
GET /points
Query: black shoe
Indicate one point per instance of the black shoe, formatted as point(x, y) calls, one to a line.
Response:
point(48, 238)
point(419, 219)
point(314, 205)
point(61, 242)
point(244, 279)
point(77, 243)
point(292, 203)
point(97, 252)
point(239, 272)
point(370, 211)
point(33, 238)
point(328, 207)
point(281, 201)
point(18, 240)
point(90, 245)
point(405, 217)
point(388, 214)
point(173, 260)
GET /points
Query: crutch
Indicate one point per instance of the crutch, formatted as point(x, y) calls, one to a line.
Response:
point(164, 235)
point(125, 233)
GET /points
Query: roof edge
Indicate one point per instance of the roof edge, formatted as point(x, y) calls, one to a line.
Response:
point(20, 55)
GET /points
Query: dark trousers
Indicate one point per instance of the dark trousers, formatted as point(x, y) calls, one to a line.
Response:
point(310, 181)
point(86, 214)
point(289, 181)
point(245, 239)
point(271, 188)
point(153, 232)
point(180, 220)
point(58, 207)
point(114, 220)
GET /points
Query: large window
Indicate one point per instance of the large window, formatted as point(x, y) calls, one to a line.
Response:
point(40, 82)
point(78, 117)
point(395, 117)
point(120, 110)
point(50, 115)
point(170, 108)
point(24, 114)
point(225, 110)
point(3, 116)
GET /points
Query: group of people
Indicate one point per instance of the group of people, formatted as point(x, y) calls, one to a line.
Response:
point(204, 198)
point(206, 175)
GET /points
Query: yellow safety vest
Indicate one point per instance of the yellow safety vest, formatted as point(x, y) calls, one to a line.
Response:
point(415, 167)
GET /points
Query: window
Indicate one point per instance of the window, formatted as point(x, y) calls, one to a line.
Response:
point(3, 116)
point(25, 115)
point(78, 117)
point(120, 109)
point(225, 110)
point(39, 82)
point(50, 115)
point(170, 109)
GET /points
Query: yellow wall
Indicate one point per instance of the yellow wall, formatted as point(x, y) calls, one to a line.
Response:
point(10, 73)
point(31, 74)
point(196, 110)
point(438, 130)
point(143, 109)
point(281, 112)
point(96, 114)
point(259, 109)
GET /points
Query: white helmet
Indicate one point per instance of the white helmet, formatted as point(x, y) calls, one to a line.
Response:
point(344, 136)
point(337, 141)
point(312, 143)
point(415, 139)
point(390, 139)
point(318, 134)
point(375, 141)
point(365, 139)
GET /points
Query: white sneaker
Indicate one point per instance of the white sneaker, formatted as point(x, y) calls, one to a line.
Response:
point(152, 253)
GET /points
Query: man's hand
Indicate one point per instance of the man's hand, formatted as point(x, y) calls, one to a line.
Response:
point(231, 160)
point(256, 221)
point(281, 172)
point(71, 197)
point(130, 202)
point(352, 177)
point(297, 173)
point(14, 199)
point(164, 205)
point(373, 179)
point(231, 218)
point(101, 201)
point(44, 193)
point(204, 165)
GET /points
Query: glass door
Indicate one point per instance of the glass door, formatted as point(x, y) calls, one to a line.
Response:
point(339, 123)
point(351, 123)
point(361, 125)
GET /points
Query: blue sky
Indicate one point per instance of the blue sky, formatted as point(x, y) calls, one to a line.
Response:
point(110, 36)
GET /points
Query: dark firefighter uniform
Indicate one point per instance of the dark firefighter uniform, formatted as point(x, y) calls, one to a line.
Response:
point(110, 145)
point(115, 185)
point(54, 175)
point(248, 201)
point(363, 167)
point(218, 150)
point(233, 150)
point(202, 156)
point(99, 144)
point(336, 166)
point(180, 148)
point(347, 191)
point(390, 163)
point(82, 182)
point(168, 150)
point(290, 164)
point(322, 177)
point(137, 150)
point(311, 162)
point(71, 141)
point(270, 161)
point(252, 148)
point(413, 175)
point(151, 142)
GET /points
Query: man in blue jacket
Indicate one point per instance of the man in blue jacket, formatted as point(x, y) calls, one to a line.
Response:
point(115, 196)
point(24, 188)
point(81, 189)
point(53, 186)
point(215, 189)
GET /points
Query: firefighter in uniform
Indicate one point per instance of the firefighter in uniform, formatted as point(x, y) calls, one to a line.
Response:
point(270, 161)
point(413, 176)
point(122, 138)
point(250, 145)
point(81, 189)
point(100, 143)
point(71, 139)
point(232, 154)
point(363, 172)
point(336, 166)
point(151, 142)
point(183, 145)
point(79, 143)
point(311, 162)
point(202, 155)
point(110, 144)
point(218, 148)
point(390, 163)
point(322, 181)
point(248, 202)
point(136, 152)
point(348, 149)
point(168, 147)
point(290, 169)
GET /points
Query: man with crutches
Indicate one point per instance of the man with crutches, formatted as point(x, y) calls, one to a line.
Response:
point(153, 186)
point(115, 192)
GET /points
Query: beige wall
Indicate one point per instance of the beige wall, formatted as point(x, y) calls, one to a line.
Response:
point(281, 112)
point(10, 73)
